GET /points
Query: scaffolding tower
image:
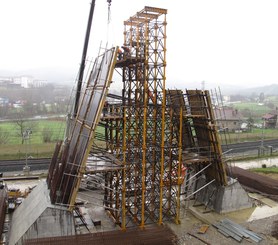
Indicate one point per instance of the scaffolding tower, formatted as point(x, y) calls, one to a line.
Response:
point(148, 189)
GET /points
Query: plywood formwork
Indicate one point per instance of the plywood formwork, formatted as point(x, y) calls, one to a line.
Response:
point(68, 166)
point(201, 113)
point(202, 154)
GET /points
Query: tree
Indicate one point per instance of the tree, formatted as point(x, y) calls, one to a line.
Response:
point(4, 137)
point(28, 109)
point(47, 134)
point(23, 125)
point(261, 97)
point(250, 123)
point(4, 110)
point(270, 105)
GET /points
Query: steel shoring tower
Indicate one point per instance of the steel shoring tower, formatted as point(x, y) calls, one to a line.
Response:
point(147, 190)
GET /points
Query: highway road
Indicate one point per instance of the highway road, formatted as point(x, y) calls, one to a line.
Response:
point(43, 163)
point(250, 146)
point(17, 165)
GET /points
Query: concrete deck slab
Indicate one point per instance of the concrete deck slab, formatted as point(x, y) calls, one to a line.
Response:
point(37, 208)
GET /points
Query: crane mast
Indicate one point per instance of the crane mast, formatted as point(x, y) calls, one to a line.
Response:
point(84, 55)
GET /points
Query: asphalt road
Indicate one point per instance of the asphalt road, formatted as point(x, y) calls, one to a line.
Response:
point(250, 146)
point(17, 165)
point(43, 163)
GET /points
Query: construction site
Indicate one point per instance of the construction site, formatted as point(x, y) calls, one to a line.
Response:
point(140, 166)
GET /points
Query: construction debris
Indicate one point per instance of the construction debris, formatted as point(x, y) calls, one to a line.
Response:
point(230, 229)
point(203, 229)
point(274, 231)
point(203, 241)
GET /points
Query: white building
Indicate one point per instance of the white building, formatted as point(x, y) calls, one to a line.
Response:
point(29, 82)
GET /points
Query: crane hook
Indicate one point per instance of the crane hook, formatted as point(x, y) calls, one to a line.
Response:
point(109, 13)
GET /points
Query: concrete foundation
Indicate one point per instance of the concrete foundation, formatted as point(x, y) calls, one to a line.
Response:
point(223, 199)
point(36, 218)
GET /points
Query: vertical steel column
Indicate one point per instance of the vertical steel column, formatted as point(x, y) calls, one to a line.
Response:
point(162, 126)
point(180, 179)
point(123, 225)
point(155, 111)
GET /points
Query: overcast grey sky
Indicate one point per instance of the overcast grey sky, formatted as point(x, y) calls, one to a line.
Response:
point(218, 41)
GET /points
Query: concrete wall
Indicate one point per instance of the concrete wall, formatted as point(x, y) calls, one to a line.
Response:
point(52, 222)
point(223, 199)
point(36, 217)
point(231, 198)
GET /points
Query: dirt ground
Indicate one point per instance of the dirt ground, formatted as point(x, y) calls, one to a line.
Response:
point(191, 225)
point(187, 231)
point(270, 175)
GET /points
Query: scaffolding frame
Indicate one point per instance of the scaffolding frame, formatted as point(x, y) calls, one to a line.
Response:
point(146, 142)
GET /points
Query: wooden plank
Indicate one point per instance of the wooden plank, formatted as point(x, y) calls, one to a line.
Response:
point(203, 229)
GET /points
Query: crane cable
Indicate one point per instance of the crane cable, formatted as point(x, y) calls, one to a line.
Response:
point(109, 11)
point(108, 22)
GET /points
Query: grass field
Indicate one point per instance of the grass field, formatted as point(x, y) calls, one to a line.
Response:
point(270, 170)
point(19, 151)
point(252, 106)
point(255, 135)
point(57, 128)
point(34, 146)
point(253, 109)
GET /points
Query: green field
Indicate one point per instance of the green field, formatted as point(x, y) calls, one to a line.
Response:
point(270, 170)
point(34, 146)
point(19, 151)
point(56, 127)
point(252, 106)
point(256, 135)
point(254, 109)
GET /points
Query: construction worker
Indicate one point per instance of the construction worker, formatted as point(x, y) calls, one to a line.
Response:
point(126, 51)
point(120, 54)
point(105, 108)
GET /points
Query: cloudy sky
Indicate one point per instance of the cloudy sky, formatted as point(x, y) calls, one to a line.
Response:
point(231, 42)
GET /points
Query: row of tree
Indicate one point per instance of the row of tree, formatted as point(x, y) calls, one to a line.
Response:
point(35, 101)
point(23, 130)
